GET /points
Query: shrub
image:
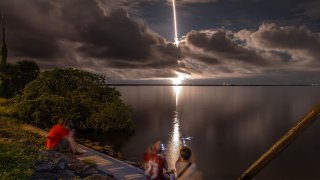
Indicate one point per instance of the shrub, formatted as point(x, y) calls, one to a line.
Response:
point(79, 96)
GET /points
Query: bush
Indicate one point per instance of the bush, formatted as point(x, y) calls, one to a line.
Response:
point(79, 96)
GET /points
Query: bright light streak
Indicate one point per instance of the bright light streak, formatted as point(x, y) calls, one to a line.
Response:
point(176, 40)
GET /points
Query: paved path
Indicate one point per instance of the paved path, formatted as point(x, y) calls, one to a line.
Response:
point(107, 164)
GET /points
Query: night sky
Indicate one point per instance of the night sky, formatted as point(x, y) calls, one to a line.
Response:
point(233, 41)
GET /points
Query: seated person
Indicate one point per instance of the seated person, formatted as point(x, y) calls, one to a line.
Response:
point(60, 138)
point(155, 163)
point(185, 169)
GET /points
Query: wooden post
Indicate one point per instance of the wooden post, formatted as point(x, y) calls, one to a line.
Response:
point(282, 143)
point(3, 31)
point(4, 50)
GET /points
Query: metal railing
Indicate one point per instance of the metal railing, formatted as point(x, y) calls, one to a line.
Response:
point(282, 143)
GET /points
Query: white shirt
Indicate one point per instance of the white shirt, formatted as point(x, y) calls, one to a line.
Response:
point(189, 174)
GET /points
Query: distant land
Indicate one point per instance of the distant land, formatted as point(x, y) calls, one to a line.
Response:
point(168, 82)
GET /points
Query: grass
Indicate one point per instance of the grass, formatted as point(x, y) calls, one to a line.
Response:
point(3, 100)
point(19, 150)
point(6, 108)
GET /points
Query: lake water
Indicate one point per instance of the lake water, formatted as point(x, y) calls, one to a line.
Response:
point(230, 127)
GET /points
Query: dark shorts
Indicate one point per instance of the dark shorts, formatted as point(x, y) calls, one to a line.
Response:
point(62, 146)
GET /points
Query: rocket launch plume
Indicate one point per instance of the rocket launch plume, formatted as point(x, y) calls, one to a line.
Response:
point(176, 40)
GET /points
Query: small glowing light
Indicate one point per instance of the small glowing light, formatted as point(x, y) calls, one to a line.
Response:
point(176, 42)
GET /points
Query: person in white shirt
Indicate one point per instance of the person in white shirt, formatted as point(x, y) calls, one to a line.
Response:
point(186, 170)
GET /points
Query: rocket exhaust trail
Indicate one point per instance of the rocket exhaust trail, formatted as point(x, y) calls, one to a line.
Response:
point(176, 40)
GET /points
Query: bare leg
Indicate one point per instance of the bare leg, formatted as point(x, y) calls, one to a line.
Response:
point(72, 142)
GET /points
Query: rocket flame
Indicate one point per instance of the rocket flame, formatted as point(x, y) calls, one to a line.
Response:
point(176, 40)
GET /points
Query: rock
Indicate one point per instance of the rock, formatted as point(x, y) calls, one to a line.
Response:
point(45, 166)
point(76, 165)
point(64, 166)
point(56, 157)
point(69, 173)
point(88, 170)
point(99, 177)
point(45, 176)
point(61, 165)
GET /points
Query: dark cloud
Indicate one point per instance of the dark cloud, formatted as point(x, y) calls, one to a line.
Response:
point(115, 36)
point(310, 10)
point(294, 42)
point(208, 60)
point(31, 31)
point(92, 31)
point(289, 37)
point(220, 43)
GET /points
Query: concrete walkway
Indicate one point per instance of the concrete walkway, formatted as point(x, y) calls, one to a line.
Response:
point(107, 164)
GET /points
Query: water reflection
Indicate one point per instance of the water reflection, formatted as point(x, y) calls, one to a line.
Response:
point(174, 143)
point(230, 126)
point(177, 91)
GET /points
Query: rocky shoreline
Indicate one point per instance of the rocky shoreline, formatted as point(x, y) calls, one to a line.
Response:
point(64, 166)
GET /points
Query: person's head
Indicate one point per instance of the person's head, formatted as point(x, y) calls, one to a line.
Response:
point(185, 153)
point(61, 121)
point(157, 147)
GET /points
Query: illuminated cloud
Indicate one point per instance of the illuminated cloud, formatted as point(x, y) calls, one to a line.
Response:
point(192, 1)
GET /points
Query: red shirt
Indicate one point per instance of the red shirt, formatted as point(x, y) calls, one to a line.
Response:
point(155, 166)
point(55, 135)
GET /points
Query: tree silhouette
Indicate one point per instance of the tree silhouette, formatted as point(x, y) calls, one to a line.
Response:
point(13, 78)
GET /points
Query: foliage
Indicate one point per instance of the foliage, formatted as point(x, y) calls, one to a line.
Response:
point(18, 150)
point(79, 96)
point(7, 107)
point(13, 78)
point(4, 55)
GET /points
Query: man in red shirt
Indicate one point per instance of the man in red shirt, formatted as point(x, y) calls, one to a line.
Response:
point(60, 138)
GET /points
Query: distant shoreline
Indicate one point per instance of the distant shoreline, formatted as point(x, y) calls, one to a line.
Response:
point(203, 85)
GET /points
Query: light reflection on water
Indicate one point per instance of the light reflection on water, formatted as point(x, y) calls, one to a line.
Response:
point(177, 90)
point(174, 143)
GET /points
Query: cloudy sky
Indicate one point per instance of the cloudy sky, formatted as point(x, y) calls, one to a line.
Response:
point(247, 41)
